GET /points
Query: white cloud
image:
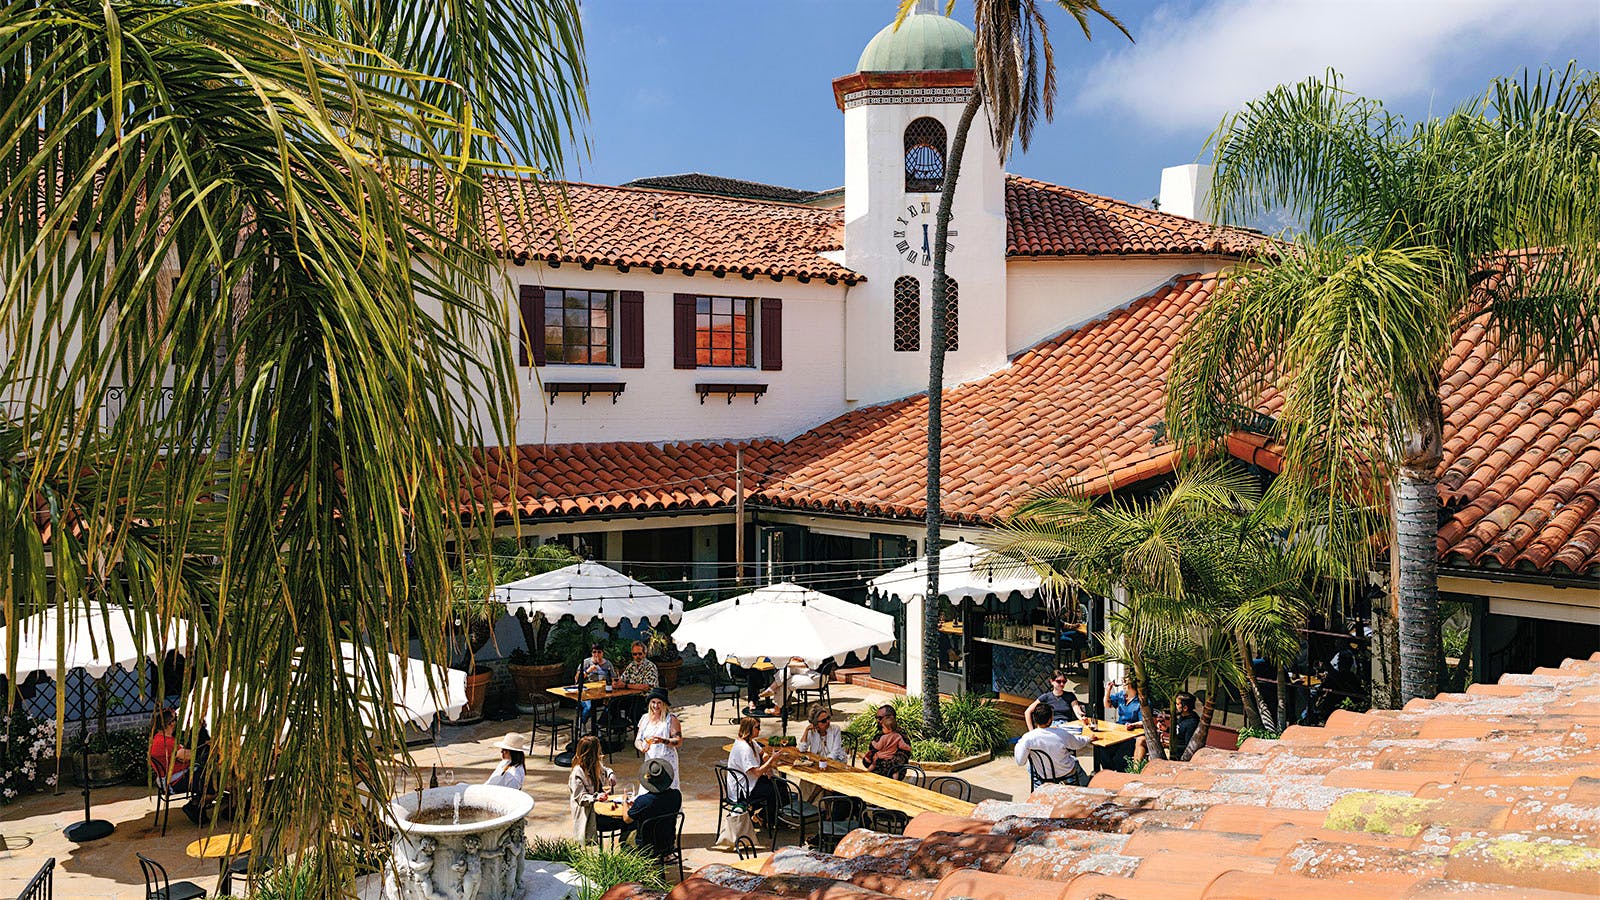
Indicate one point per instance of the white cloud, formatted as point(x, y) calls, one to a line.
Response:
point(1189, 69)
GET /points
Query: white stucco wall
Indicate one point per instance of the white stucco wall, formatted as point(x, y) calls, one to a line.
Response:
point(875, 202)
point(659, 403)
point(1047, 296)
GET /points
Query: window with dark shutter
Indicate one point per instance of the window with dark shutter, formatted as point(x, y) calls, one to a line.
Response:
point(952, 314)
point(530, 343)
point(771, 333)
point(630, 330)
point(907, 313)
point(683, 331)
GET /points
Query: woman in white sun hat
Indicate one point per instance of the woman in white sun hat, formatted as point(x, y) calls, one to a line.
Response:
point(513, 763)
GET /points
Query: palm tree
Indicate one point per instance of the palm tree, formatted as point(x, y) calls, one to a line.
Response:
point(1012, 46)
point(262, 222)
point(1203, 578)
point(1411, 231)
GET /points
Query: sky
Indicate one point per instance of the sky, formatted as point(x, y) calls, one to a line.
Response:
point(743, 88)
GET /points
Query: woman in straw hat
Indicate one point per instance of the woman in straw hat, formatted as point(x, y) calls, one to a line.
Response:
point(513, 763)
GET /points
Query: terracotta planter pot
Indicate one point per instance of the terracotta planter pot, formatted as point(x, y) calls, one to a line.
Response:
point(532, 680)
point(477, 688)
point(669, 671)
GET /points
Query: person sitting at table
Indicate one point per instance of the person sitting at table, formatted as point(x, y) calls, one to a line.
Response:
point(175, 766)
point(756, 682)
point(889, 751)
point(641, 673)
point(801, 677)
point(751, 759)
point(1062, 703)
point(1060, 744)
point(513, 766)
point(588, 782)
point(594, 667)
point(822, 736)
point(660, 734)
point(659, 796)
point(1124, 698)
point(1187, 722)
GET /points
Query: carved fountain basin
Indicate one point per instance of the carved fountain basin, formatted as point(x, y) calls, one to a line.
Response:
point(481, 858)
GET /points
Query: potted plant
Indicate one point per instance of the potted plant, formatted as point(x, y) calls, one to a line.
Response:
point(664, 653)
point(551, 660)
point(475, 620)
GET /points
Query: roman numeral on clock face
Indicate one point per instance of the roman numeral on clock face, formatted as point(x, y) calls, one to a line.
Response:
point(912, 210)
point(911, 256)
point(900, 234)
point(902, 246)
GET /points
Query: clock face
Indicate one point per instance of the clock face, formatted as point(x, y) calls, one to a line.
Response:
point(913, 234)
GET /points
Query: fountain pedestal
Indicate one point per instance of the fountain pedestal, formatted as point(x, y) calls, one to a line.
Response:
point(476, 854)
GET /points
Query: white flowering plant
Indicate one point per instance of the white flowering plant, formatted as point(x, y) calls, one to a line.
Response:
point(24, 742)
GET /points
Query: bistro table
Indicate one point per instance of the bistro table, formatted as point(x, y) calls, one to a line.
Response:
point(752, 865)
point(1108, 739)
point(874, 789)
point(222, 847)
point(594, 691)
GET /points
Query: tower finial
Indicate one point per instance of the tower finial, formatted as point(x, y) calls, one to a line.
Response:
point(926, 8)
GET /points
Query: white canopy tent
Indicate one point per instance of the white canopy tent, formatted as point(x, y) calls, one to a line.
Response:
point(968, 573)
point(588, 591)
point(93, 637)
point(782, 621)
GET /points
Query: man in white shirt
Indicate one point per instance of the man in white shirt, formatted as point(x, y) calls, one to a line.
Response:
point(1057, 743)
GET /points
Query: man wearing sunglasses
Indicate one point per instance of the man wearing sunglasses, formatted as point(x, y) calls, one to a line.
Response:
point(641, 673)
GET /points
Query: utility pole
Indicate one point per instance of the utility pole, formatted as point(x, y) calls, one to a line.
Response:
point(738, 513)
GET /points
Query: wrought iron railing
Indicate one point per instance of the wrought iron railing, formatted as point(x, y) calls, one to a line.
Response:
point(42, 887)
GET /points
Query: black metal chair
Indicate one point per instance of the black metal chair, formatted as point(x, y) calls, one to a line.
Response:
point(165, 794)
point(911, 774)
point(793, 811)
point(820, 693)
point(746, 848)
point(724, 686)
point(726, 802)
point(837, 816)
point(157, 887)
point(884, 821)
point(1042, 770)
point(951, 786)
point(42, 886)
point(662, 837)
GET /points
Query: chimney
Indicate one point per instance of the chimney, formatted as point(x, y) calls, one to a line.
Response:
point(1186, 191)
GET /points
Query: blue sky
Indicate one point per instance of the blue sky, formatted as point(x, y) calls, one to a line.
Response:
point(742, 88)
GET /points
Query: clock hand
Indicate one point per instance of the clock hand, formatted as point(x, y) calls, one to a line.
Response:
point(927, 254)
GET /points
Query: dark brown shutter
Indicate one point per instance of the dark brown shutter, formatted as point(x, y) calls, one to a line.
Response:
point(531, 299)
point(683, 307)
point(630, 330)
point(771, 333)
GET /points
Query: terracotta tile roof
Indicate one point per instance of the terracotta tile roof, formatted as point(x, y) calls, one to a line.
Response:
point(1079, 405)
point(1045, 219)
point(659, 230)
point(1522, 472)
point(1508, 806)
point(700, 183)
point(598, 478)
point(1522, 447)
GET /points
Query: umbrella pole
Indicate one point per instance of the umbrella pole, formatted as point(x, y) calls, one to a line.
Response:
point(785, 710)
point(90, 829)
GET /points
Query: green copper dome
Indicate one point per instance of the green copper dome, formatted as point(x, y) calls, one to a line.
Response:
point(923, 43)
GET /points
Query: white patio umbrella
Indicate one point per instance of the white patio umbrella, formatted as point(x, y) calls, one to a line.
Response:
point(588, 591)
point(968, 573)
point(93, 637)
point(782, 621)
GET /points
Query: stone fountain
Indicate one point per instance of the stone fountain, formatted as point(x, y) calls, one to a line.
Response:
point(458, 843)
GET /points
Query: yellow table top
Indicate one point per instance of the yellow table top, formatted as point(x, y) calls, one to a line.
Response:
point(1110, 734)
point(764, 664)
point(613, 808)
point(752, 865)
point(594, 690)
point(218, 846)
point(877, 790)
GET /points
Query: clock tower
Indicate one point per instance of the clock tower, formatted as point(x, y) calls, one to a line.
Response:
point(901, 107)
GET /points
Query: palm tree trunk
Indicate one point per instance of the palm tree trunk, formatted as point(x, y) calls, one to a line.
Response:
point(1283, 700)
point(1414, 561)
point(930, 603)
point(1253, 710)
point(1203, 730)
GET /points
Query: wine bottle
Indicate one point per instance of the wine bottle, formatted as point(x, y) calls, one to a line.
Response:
point(433, 777)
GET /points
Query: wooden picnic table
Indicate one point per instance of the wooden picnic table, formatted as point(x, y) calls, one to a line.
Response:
point(875, 789)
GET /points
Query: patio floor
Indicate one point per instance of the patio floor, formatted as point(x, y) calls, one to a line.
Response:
point(107, 870)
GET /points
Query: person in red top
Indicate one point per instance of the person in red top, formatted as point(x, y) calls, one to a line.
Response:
point(168, 758)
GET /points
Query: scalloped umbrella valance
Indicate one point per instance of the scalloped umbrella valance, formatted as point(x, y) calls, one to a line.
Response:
point(588, 591)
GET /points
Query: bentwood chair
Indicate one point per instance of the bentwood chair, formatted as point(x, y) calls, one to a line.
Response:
point(662, 838)
point(157, 887)
point(724, 686)
point(912, 775)
point(838, 816)
point(746, 848)
point(1042, 770)
point(731, 788)
point(951, 786)
point(793, 811)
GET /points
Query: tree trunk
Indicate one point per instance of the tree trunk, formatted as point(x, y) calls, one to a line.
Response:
point(1385, 662)
point(1414, 562)
point(930, 603)
point(1152, 731)
point(1203, 730)
point(1251, 700)
point(1283, 700)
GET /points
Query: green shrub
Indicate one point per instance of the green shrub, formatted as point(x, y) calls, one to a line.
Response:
point(908, 712)
point(974, 725)
point(933, 751)
point(553, 849)
point(1266, 734)
point(291, 881)
point(605, 869)
point(860, 730)
point(129, 749)
point(1135, 766)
